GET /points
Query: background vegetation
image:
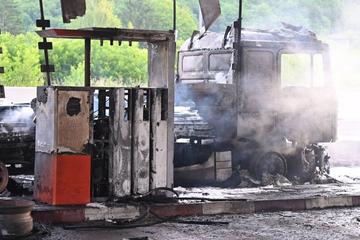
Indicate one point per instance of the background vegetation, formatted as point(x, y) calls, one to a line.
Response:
point(127, 65)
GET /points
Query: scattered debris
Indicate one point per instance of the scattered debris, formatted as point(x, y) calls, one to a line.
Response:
point(281, 181)
point(5, 193)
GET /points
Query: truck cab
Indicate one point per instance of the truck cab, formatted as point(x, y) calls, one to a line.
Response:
point(267, 93)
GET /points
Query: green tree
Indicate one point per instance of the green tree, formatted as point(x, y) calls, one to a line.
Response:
point(66, 53)
point(99, 13)
point(324, 15)
point(10, 17)
point(122, 63)
point(31, 12)
point(20, 59)
point(155, 15)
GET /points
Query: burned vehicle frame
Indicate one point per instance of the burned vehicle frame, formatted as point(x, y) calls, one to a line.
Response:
point(265, 95)
point(17, 138)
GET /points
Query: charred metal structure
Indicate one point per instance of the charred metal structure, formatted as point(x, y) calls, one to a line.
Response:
point(249, 99)
point(93, 143)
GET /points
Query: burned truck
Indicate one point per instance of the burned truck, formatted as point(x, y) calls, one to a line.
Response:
point(264, 96)
point(17, 138)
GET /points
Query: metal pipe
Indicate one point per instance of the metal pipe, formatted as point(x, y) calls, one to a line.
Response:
point(200, 19)
point(240, 10)
point(41, 10)
point(45, 50)
point(87, 61)
point(174, 15)
point(239, 73)
point(239, 34)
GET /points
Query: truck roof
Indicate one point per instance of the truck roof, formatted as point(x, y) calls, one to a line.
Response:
point(287, 33)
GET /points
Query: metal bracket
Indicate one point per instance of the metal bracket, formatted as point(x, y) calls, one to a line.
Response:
point(45, 45)
point(47, 68)
point(42, 23)
point(192, 38)
point(228, 28)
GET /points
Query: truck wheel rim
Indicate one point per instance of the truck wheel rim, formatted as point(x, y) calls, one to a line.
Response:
point(270, 163)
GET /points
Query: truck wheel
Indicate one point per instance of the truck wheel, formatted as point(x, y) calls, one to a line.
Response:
point(271, 163)
point(4, 176)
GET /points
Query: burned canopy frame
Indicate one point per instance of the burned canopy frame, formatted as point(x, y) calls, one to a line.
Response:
point(159, 47)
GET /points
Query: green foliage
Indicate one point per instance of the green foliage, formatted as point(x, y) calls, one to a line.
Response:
point(20, 59)
point(31, 12)
point(156, 15)
point(123, 64)
point(65, 55)
point(10, 17)
point(99, 13)
point(322, 16)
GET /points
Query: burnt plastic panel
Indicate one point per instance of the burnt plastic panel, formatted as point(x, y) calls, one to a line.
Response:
point(71, 9)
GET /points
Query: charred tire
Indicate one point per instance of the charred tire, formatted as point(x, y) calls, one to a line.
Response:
point(269, 163)
point(4, 176)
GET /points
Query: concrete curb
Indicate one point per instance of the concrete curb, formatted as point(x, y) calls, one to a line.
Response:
point(100, 212)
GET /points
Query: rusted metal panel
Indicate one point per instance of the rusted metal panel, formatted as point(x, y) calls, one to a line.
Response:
point(141, 141)
point(62, 120)
point(159, 128)
point(43, 180)
point(211, 11)
point(46, 113)
point(170, 121)
point(73, 121)
point(71, 9)
point(120, 135)
point(157, 58)
point(115, 34)
point(206, 66)
point(162, 56)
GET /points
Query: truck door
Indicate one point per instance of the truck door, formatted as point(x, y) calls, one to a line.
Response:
point(308, 103)
point(257, 93)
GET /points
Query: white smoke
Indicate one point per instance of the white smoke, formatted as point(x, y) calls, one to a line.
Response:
point(16, 120)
